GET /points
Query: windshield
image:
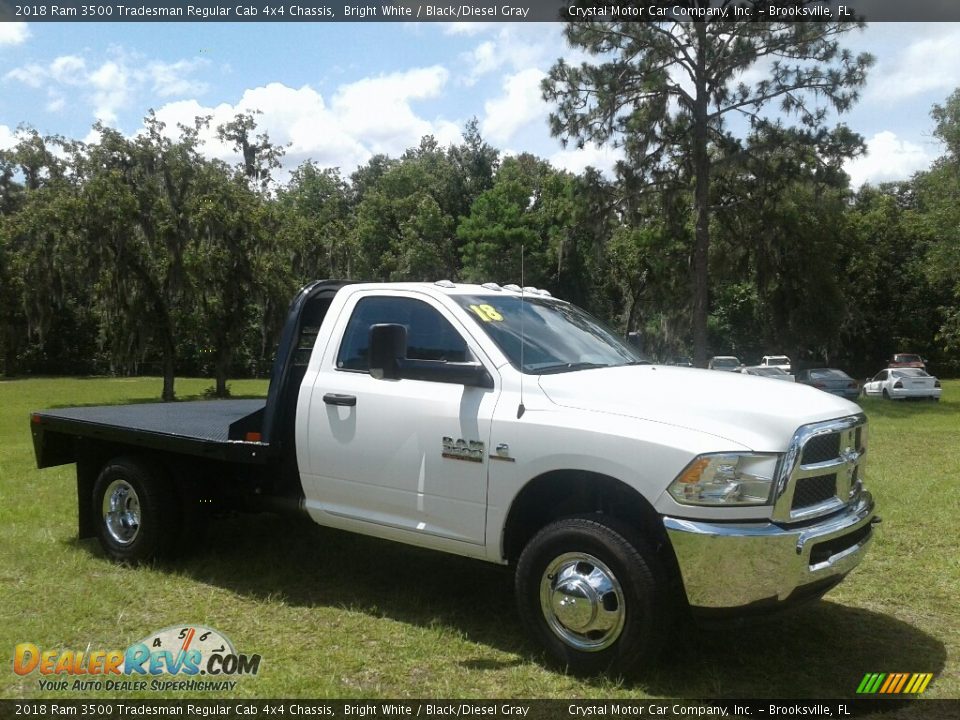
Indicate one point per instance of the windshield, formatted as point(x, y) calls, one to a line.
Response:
point(557, 336)
point(726, 362)
point(778, 360)
point(768, 371)
point(828, 375)
point(909, 372)
point(907, 358)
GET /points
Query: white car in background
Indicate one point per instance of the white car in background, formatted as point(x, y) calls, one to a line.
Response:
point(727, 363)
point(902, 383)
point(777, 361)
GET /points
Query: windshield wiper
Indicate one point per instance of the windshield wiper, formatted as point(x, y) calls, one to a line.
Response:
point(567, 367)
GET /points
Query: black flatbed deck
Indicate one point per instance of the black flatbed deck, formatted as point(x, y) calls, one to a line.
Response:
point(200, 427)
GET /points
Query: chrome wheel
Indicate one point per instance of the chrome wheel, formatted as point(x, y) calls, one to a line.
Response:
point(582, 602)
point(121, 512)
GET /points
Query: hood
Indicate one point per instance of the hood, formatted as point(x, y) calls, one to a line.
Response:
point(759, 413)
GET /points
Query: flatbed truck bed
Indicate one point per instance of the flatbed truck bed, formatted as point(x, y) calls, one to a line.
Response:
point(205, 428)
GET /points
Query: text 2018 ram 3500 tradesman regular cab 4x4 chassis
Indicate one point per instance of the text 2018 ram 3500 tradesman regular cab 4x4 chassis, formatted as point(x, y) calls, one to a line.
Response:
point(505, 425)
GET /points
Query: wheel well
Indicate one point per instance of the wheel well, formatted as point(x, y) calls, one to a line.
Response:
point(564, 493)
point(188, 480)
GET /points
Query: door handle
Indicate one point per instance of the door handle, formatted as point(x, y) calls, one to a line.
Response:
point(337, 399)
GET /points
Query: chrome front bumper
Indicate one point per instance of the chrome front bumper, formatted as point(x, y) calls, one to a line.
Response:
point(748, 565)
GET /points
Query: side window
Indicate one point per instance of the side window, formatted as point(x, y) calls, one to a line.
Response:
point(429, 335)
point(882, 375)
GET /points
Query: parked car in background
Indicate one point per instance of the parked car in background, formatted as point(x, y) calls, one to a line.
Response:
point(682, 361)
point(902, 383)
point(728, 363)
point(907, 360)
point(779, 361)
point(831, 380)
point(767, 372)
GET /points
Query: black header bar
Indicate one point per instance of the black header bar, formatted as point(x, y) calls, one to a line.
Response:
point(123, 709)
point(475, 10)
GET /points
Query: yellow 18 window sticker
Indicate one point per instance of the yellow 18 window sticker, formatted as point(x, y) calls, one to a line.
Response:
point(487, 313)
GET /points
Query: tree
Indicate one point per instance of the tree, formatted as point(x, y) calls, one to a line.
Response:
point(892, 306)
point(664, 92)
point(937, 194)
point(318, 223)
point(780, 223)
point(476, 165)
point(220, 263)
point(136, 213)
point(259, 157)
point(532, 207)
point(501, 222)
point(44, 302)
point(406, 217)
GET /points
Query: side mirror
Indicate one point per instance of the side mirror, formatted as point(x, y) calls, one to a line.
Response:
point(389, 361)
point(388, 347)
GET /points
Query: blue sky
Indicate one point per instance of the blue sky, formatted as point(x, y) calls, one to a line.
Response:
point(341, 92)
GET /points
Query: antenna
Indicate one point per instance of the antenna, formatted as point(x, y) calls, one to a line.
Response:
point(521, 409)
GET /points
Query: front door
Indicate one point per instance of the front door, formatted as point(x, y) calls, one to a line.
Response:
point(404, 454)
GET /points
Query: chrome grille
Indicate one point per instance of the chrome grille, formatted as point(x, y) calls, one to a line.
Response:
point(822, 470)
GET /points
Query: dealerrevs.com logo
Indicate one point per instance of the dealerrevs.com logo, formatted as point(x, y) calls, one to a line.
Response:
point(180, 657)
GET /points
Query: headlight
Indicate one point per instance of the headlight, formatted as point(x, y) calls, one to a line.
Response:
point(726, 479)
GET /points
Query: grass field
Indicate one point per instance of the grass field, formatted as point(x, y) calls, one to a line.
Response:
point(341, 616)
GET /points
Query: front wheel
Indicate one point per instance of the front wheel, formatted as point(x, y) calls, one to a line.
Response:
point(593, 595)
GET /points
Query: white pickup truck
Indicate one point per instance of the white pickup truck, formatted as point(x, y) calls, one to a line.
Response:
point(505, 425)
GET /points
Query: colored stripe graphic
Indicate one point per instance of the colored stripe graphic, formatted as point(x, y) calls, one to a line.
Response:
point(894, 683)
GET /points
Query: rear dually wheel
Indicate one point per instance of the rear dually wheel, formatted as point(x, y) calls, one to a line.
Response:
point(136, 511)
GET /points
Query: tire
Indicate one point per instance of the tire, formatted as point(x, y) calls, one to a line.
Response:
point(136, 512)
point(886, 395)
point(623, 614)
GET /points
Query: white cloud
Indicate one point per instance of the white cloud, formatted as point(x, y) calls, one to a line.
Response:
point(467, 28)
point(294, 117)
point(170, 79)
point(13, 33)
point(372, 115)
point(520, 105)
point(888, 158)
point(378, 109)
point(113, 85)
point(55, 101)
point(482, 59)
point(517, 47)
point(69, 70)
point(93, 136)
point(929, 63)
point(111, 91)
point(7, 138)
point(31, 75)
point(576, 160)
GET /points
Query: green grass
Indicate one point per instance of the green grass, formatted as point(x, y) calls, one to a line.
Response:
point(338, 615)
